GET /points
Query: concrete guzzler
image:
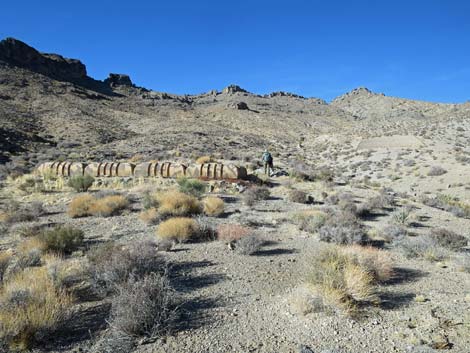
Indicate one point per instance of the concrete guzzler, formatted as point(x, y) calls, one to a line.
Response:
point(157, 169)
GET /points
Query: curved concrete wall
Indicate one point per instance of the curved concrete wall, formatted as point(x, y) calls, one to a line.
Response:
point(145, 170)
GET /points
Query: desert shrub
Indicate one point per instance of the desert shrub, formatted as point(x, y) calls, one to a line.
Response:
point(191, 187)
point(301, 171)
point(448, 239)
point(62, 239)
point(340, 279)
point(382, 201)
point(204, 159)
point(150, 216)
point(377, 262)
point(5, 258)
point(401, 216)
point(298, 196)
point(143, 307)
point(423, 247)
point(31, 307)
point(249, 245)
point(81, 183)
point(174, 203)
point(16, 213)
point(343, 228)
point(232, 232)
point(436, 171)
point(394, 232)
point(108, 206)
point(324, 174)
point(113, 264)
point(80, 206)
point(29, 231)
point(255, 194)
point(213, 206)
point(463, 262)
point(88, 205)
point(180, 229)
point(29, 254)
point(310, 220)
point(149, 201)
point(205, 230)
point(66, 272)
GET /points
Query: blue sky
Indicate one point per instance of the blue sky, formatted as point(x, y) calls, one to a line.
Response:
point(416, 49)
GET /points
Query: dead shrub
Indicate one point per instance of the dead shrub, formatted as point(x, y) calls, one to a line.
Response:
point(343, 228)
point(423, 247)
point(248, 245)
point(394, 232)
point(80, 206)
point(143, 307)
point(297, 196)
point(309, 220)
point(232, 232)
point(255, 194)
point(377, 262)
point(31, 307)
point(16, 212)
point(179, 229)
point(150, 216)
point(448, 239)
point(213, 206)
point(174, 203)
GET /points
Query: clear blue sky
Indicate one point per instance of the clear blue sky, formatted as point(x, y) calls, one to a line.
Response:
point(415, 49)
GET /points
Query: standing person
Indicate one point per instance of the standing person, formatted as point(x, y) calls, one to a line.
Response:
point(267, 159)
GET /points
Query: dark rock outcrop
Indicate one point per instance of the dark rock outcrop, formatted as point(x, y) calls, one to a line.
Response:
point(119, 80)
point(17, 53)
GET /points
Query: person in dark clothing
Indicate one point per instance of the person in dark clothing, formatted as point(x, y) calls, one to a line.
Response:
point(267, 159)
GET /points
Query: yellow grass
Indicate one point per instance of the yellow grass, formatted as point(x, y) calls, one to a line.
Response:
point(80, 206)
point(175, 203)
point(377, 262)
point(41, 306)
point(179, 229)
point(213, 206)
point(30, 244)
point(149, 216)
point(88, 205)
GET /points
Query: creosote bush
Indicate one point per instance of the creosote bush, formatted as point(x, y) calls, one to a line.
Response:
point(89, 205)
point(62, 240)
point(81, 183)
point(31, 307)
point(213, 206)
point(178, 229)
point(191, 186)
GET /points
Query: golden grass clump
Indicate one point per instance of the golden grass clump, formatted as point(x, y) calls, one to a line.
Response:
point(178, 229)
point(30, 303)
point(149, 216)
point(108, 206)
point(88, 205)
point(347, 277)
point(204, 159)
point(175, 203)
point(80, 206)
point(213, 206)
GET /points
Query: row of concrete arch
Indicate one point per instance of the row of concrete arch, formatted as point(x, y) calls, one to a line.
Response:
point(145, 169)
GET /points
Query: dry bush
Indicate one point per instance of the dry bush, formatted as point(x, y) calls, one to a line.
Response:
point(394, 232)
point(213, 206)
point(174, 203)
point(143, 307)
point(342, 227)
point(382, 201)
point(377, 262)
point(28, 254)
point(150, 216)
point(81, 183)
point(448, 239)
point(179, 229)
point(232, 232)
point(304, 302)
point(297, 196)
point(423, 247)
point(206, 232)
point(62, 239)
point(113, 264)
point(255, 194)
point(436, 171)
point(249, 245)
point(88, 205)
point(341, 279)
point(5, 258)
point(80, 206)
point(204, 159)
point(31, 307)
point(66, 272)
point(108, 206)
point(302, 171)
point(310, 220)
point(16, 213)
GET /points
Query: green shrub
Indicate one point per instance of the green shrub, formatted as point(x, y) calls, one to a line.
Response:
point(62, 239)
point(81, 183)
point(191, 186)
